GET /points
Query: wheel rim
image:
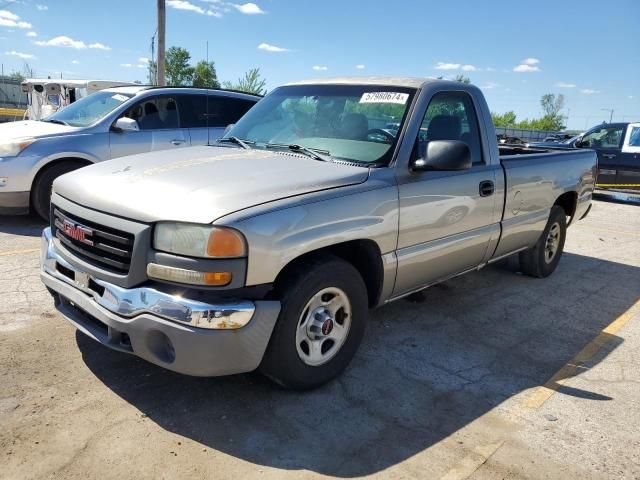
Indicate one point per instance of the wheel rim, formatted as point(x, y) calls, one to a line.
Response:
point(323, 326)
point(553, 243)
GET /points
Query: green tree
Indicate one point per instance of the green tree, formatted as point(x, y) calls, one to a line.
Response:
point(507, 119)
point(252, 82)
point(462, 79)
point(15, 75)
point(152, 75)
point(204, 75)
point(178, 70)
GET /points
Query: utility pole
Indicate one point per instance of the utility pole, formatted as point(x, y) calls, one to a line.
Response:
point(610, 110)
point(162, 20)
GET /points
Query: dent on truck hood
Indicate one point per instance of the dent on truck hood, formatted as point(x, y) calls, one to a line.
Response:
point(199, 184)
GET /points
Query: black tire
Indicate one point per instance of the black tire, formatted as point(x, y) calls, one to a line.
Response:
point(282, 362)
point(536, 261)
point(41, 190)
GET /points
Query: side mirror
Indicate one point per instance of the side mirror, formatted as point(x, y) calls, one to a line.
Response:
point(444, 155)
point(581, 143)
point(124, 124)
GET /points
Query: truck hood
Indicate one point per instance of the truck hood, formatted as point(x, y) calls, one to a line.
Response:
point(199, 184)
point(33, 128)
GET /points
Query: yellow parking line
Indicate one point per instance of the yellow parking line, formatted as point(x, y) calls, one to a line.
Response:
point(541, 394)
point(19, 252)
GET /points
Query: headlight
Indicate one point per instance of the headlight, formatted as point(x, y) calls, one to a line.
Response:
point(14, 147)
point(202, 241)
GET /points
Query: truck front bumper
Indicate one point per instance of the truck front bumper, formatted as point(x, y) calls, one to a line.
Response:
point(157, 326)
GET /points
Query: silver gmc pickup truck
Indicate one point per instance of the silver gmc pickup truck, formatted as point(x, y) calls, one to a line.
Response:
point(268, 249)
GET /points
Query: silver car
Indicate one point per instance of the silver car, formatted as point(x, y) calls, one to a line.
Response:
point(108, 124)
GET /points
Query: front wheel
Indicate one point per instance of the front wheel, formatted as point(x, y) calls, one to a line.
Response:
point(543, 258)
point(321, 324)
point(41, 190)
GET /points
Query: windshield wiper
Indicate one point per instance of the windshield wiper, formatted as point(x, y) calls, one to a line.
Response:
point(243, 143)
point(54, 120)
point(315, 153)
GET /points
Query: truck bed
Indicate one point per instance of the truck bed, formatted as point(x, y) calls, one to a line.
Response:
point(534, 180)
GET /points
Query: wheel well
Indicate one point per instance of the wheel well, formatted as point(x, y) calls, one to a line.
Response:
point(364, 255)
point(81, 162)
point(568, 202)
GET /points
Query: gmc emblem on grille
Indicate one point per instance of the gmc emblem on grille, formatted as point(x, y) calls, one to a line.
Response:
point(77, 232)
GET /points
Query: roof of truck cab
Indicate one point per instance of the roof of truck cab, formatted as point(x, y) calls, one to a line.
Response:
point(383, 81)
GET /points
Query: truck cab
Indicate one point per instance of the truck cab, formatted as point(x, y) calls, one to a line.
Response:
point(618, 149)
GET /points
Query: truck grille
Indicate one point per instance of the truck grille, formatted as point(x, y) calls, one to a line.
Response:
point(98, 245)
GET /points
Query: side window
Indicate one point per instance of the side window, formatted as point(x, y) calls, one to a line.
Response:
point(156, 113)
point(193, 111)
point(226, 110)
point(604, 137)
point(634, 137)
point(451, 116)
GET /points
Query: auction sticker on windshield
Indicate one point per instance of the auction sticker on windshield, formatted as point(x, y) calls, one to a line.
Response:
point(385, 97)
point(120, 98)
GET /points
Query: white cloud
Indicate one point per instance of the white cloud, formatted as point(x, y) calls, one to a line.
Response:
point(630, 97)
point(565, 85)
point(528, 65)
point(75, 62)
point(320, 68)
point(248, 8)
point(11, 20)
point(9, 16)
point(214, 13)
point(32, 34)
point(64, 41)
point(447, 66)
point(126, 65)
point(361, 67)
point(490, 69)
point(524, 68)
point(456, 66)
point(99, 46)
point(271, 48)
point(589, 91)
point(24, 56)
point(143, 60)
point(42, 8)
point(489, 86)
point(185, 5)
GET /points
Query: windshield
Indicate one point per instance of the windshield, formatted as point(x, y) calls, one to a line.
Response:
point(89, 110)
point(349, 122)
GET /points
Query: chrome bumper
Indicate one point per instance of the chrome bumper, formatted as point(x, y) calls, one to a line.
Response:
point(135, 301)
point(186, 336)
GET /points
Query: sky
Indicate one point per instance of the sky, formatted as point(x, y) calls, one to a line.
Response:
point(515, 51)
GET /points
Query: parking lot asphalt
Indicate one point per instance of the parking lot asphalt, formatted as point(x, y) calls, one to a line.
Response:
point(489, 375)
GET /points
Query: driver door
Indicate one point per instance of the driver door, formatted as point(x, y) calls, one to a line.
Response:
point(159, 122)
point(447, 218)
point(607, 142)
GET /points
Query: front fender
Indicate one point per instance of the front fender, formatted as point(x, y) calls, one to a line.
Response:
point(278, 237)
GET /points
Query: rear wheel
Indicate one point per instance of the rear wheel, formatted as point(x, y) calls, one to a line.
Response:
point(41, 190)
point(543, 258)
point(321, 324)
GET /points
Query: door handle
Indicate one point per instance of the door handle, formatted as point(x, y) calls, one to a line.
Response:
point(608, 155)
point(486, 188)
point(177, 142)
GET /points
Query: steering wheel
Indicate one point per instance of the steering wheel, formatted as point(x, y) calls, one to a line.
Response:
point(388, 138)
